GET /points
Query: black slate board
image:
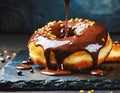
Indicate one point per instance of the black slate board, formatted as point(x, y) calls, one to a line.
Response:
point(9, 80)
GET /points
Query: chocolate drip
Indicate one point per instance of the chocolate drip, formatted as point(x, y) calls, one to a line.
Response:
point(47, 56)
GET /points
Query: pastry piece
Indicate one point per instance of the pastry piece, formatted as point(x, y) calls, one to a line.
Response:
point(86, 43)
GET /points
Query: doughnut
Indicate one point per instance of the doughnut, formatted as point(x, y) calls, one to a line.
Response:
point(86, 44)
point(114, 55)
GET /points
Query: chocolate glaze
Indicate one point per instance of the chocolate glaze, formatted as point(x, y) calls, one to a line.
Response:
point(89, 39)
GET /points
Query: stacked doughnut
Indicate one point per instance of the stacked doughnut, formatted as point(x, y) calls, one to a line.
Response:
point(86, 44)
point(114, 55)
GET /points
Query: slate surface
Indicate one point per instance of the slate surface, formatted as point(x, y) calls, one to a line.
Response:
point(9, 80)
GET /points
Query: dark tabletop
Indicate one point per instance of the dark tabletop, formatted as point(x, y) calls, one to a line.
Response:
point(14, 43)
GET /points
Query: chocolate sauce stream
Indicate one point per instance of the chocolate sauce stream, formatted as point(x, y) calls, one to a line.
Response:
point(47, 52)
point(66, 15)
point(47, 56)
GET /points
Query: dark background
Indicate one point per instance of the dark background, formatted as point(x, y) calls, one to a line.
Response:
point(25, 16)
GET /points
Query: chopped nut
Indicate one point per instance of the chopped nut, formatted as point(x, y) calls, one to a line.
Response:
point(76, 19)
point(82, 91)
point(48, 34)
point(60, 21)
point(103, 39)
point(90, 91)
point(71, 20)
point(61, 25)
point(5, 51)
point(52, 36)
point(48, 29)
point(54, 21)
point(44, 34)
point(39, 29)
point(91, 23)
point(80, 20)
point(49, 24)
point(14, 54)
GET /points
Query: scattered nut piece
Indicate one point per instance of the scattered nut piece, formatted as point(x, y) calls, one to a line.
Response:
point(82, 91)
point(5, 51)
point(14, 54)
point(61, 25)
point(103, 39)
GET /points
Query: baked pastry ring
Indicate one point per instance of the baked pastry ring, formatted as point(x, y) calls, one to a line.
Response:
point(87, 44)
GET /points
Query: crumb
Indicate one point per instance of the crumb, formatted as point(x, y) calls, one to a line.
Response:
point(82, 91)
point(5, 51)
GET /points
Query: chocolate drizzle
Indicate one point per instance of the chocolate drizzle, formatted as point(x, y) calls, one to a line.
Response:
point(66, 14)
